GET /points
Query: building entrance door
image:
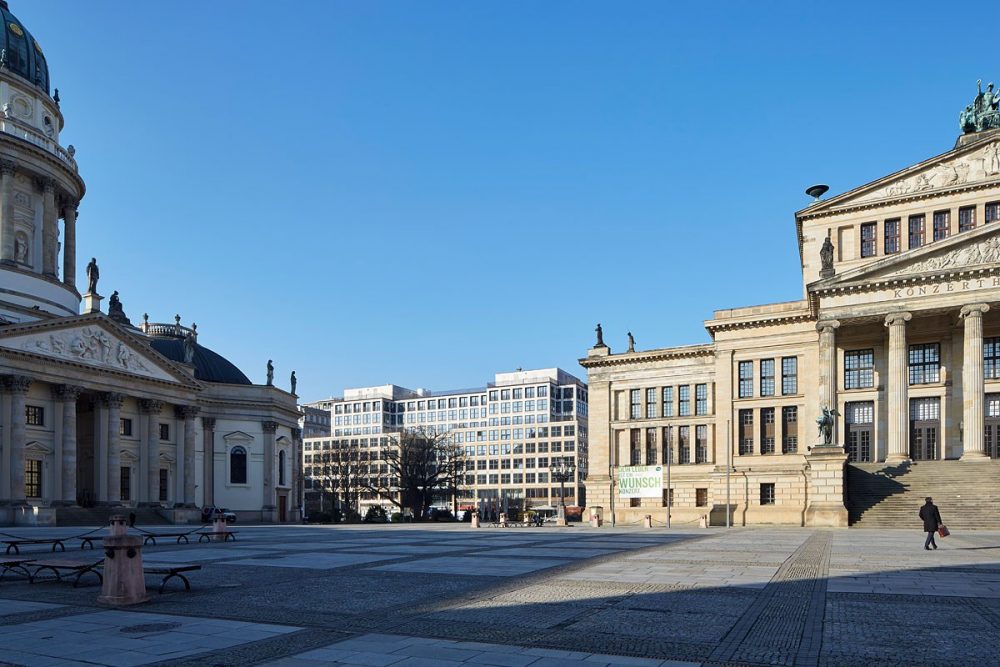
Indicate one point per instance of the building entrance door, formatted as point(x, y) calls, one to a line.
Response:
point(282, 507)
point(859, 418)
point(925, 426)
point(991, 426)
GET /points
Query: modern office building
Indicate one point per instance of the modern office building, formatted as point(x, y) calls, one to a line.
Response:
point(510, 431)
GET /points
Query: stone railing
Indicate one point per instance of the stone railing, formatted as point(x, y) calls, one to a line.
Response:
point(27, 133)
point(164, 329)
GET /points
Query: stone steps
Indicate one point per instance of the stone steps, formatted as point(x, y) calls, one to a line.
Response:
point(101, 516)
point(881, 496)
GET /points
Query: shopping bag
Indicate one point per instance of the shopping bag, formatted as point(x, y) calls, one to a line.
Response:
point(943, 530)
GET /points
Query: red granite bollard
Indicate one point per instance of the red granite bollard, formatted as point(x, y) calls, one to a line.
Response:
point(124, 583)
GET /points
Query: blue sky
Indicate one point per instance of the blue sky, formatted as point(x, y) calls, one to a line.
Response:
point(425, 193)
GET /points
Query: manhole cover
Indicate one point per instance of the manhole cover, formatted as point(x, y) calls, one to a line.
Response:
point(150, 627)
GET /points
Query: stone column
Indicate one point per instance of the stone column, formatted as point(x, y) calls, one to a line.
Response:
point(69, 244)
point(68, 394)
point(827, 370)
point(18, 386)
point(898, 389)
point(186, 463)
point(972, 383)
point(151, 449)
point(296, 464)
point(208, 463)
point(50, 229)
point(7, 170)
point(268, 500)
point(114, 402)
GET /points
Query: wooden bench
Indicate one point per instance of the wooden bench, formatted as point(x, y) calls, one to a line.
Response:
point(171, 571)
point(151, 537)
point(54, 541)
point(60, 565)
point(15, 564)
point(227, 535)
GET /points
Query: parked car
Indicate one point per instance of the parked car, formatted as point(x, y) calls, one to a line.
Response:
point(209, 512)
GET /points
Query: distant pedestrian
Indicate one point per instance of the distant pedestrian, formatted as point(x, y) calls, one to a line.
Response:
point(932, 520)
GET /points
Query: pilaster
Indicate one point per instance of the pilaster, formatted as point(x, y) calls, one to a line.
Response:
point(17, 386)
point(268, 501)
point(149, 454)
point(67, 396)
point(208, 464)
point(7, 171)
point(114, 402)
point(69, 244)
point(185, 461)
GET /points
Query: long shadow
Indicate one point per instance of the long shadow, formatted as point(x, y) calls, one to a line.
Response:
point(864, 490)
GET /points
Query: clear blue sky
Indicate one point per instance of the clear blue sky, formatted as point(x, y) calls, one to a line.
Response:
point(428, 192)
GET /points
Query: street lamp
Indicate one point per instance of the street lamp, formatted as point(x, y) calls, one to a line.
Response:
point(562, 470)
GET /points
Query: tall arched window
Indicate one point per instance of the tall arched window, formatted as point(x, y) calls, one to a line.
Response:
point(238, 465)
point(281, 467)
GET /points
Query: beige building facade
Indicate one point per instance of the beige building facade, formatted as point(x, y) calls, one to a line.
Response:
point(898, 332)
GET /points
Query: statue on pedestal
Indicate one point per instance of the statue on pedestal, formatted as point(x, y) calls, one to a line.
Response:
point(189, 342)
point(600, 336)
point(631, 342)
point(294, 381)
point(270, 373)
point(825, 423)
point(826, 258)
point(93, 275)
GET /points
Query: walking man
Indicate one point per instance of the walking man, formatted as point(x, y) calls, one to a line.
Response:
point(932, 520)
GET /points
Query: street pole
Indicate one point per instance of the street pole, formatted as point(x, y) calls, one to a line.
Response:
point(729, 467)
point(670, 456)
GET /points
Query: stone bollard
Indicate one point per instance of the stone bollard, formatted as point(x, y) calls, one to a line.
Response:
point(475, 521)
point(595, 521)
point(124, 583)
point(219, 528)
point(648, 521)
point(703, 521)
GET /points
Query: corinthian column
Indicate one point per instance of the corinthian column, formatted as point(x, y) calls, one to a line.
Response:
point(828, 369)
point(69, 244)
point(68, 394)
point(50, 228)
point(114, 402)
point(972, 383)
point(150, 453)
point(18, 386)
point(186, 463)
point(898, 387)
point(270, 428)
point(7, 169)
point(208, 460)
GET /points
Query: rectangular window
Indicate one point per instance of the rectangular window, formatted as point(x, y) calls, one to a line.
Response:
point(684, 444)
point(650, 446)
point(966, 218)
point(33, 478)
point(746, 432)
point(916, 229)
point(668, 444)
point(746, 379)
point(634, 403)
point(859, 369)
point(925, 363)
point(767, 494)
point(701, 399)
point(942, 225)
point(635, 502)
point(991, 358)
point(767, 377)
point(125, 487)
point(892, 236)
point(668, 497)
point(651, 403)
point(164, 483)
point(701, 497)
point(164, 431)
point(992, 212)
point(635, 447)
point(684, 400)
point(767, 431)
point(789, 376)
point(34, 415)
point(701, 443)
point(668, 401)
point(789, 429)
point(124, 427)
point(868, 244)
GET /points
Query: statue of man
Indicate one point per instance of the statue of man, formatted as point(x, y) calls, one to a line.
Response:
point(294, 382)
point(600, 336)
point(826, 255)
point(631, 342)
point(93, 275)
point(189, 348)
point(270, 373)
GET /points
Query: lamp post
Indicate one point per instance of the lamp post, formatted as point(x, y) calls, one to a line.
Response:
point(562, 470)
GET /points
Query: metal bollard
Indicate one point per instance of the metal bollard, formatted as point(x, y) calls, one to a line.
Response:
point(648, 521)
point(124, 583)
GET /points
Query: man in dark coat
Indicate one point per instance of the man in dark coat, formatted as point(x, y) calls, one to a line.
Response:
point(932, 520)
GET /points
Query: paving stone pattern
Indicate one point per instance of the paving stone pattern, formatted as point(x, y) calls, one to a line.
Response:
point(450, 595)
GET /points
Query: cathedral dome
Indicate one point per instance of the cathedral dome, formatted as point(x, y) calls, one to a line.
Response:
point(209, 366)
point(21, 53)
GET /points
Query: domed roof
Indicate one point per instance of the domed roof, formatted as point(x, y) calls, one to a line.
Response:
point(22, 54)
point(209, 366)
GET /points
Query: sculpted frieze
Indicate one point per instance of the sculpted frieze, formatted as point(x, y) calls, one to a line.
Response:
point(980, 165)
point(985, 251)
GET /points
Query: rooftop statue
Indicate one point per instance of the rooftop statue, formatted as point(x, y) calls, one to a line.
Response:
point(983, 113)
point(93, 275)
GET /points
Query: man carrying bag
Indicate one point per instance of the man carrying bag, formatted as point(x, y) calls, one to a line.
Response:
point(932, 522)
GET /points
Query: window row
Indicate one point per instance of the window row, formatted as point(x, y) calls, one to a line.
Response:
point(767, 387)
point(644, 450)
point(760, 437)
point(657, 402)
point(923, 364)
point(916, 229)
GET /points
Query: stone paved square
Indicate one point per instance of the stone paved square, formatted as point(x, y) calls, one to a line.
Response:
point(447, 594)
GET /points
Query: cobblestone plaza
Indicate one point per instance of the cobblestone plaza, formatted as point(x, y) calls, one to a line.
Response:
point(450, 595)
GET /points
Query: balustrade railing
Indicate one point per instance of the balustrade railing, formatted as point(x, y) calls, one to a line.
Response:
point(22, 130)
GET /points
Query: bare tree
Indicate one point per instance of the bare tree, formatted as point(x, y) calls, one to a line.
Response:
point(421, 463)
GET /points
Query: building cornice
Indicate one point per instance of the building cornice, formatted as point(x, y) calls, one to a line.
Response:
point(663, 354)
point(715, 326)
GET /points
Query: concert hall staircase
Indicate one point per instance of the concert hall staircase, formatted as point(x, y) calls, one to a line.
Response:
point(966, 492)
point(101, 516)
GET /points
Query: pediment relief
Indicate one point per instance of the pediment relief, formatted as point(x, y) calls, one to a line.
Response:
point(93, 345)
point(167, 458)
point(127, 456)
point(37, 448)
point(238, 436)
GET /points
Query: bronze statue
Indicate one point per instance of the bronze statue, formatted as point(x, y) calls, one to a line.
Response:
point(294, 382)
point(600, 336)
point(270, 373)
point(631, 342)
point(93, 275)
point(983, 113)
point(825, 423)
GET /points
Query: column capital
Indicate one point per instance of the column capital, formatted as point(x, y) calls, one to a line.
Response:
point(827, 326)
point(8, 167)
point(66, 392)
point(208, 423)
point(113, 399)
point(973, 310)
point(69, 207)
point(45, 184)
point(150, 406)
point(296, 434)
point(17, 384)
point(269, 426)
point(901, 318)
point(187, 411)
